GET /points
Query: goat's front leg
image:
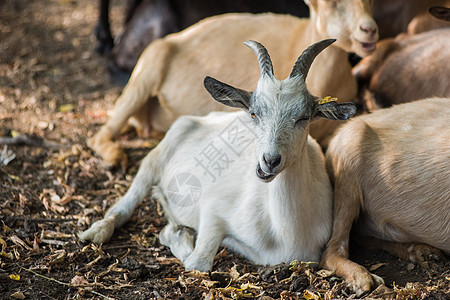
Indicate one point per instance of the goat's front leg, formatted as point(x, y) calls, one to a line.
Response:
point(111, 152)
point(132, 100)
point(209, 237)
point(179, 239)
point(101, 231)
point(347, 204)
point(335, 258)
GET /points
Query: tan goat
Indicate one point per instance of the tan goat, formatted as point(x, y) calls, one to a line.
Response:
point(427, 21)
point(395, 16)
point(390, 172)
point(167, 80)
point(408, 67)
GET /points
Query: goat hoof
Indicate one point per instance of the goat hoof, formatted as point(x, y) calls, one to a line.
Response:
point(363, 283)
point(424, 255)
point(111, 153)
point(377, 280)
point(112, 163)
point(202, 265)
point(100, 232)
point(114, 158)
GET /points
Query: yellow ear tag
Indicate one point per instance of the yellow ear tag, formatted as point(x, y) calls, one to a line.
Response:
point(327, 99)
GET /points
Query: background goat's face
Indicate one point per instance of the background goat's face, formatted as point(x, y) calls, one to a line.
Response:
point(349, 21)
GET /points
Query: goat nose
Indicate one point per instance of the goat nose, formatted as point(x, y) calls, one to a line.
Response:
point(368, 28)
point(272, 161)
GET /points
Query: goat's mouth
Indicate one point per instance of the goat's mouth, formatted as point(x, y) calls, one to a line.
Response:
point(369, 47)
point(263, 175)
point(366, 47)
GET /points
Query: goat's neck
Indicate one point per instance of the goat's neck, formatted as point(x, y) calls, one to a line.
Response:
point(330, 69)
point(290, 192)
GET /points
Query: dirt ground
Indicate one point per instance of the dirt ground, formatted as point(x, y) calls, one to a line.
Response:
point(54, 94)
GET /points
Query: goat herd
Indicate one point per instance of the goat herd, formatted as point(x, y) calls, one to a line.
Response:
point(256, 180)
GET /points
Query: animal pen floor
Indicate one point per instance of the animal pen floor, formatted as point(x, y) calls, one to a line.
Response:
point(53, 89)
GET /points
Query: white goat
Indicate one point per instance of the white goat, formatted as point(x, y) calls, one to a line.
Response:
point(391, 173)
point(285, 215)
point(166, 82)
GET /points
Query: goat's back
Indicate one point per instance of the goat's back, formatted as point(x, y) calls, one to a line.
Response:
point(408, 68)
point(398, 159)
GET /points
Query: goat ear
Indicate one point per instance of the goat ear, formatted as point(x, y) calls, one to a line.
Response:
point(226, 94)
point(335, 111)
point(442, 13)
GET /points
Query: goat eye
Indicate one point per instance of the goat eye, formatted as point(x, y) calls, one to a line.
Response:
point(302, 119)
point(253, 115)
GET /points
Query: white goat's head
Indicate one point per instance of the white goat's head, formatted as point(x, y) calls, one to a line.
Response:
point(281, 110)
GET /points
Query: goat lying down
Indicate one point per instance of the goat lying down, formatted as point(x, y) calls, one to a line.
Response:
point(408, 67)
point(391, 171)
point(399, 16)
point(166, 82)
point(148, 20)
point(281, 213)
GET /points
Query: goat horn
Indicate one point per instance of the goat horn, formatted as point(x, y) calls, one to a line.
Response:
point(265, 64)
point(307, 57)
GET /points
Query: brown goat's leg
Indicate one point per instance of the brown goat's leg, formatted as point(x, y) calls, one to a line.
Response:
point(355, 275)
point(128, 104)
point(110, 151)
point(421, 254)
point(103, 141)
point(143, 83)
point(347, 204)
point(150, 114)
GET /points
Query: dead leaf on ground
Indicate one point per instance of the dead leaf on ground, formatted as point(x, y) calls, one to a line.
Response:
point(16, 240)
point(168, 260)
point(3, 243)
point(54, 234)
point(18, 295)
point(15, 277)
point(66, 108)
point(310, 295)
point(376, 266)
point(325, 273)
point(78, 281)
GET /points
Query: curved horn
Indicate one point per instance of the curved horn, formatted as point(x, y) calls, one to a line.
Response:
point(265, 64)
point(307, 57)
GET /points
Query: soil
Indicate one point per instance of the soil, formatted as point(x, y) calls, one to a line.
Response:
point(54, 94)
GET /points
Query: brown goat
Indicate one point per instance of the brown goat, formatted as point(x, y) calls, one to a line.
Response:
point(166, 82)
point(148, 20)
point(429, 20)
point(394, 16)
point(408, 67)
point(390, 171)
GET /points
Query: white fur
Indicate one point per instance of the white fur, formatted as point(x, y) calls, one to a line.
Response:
point(286, 219)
